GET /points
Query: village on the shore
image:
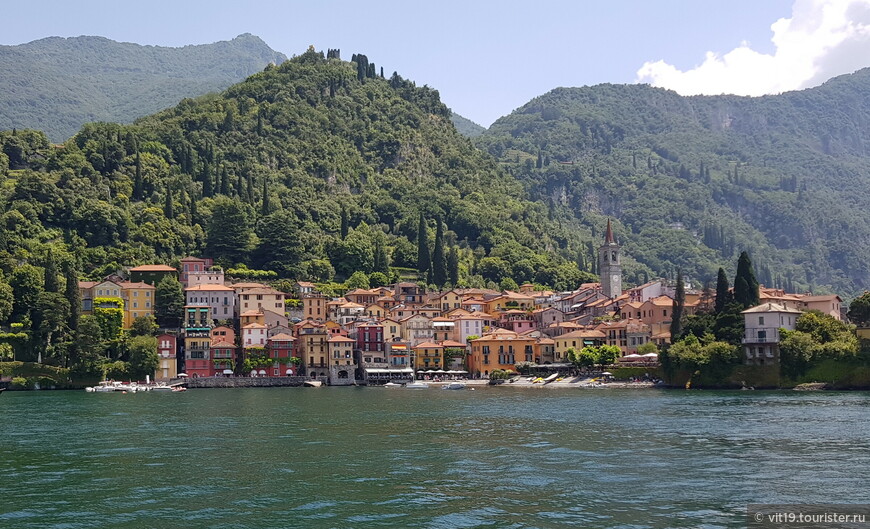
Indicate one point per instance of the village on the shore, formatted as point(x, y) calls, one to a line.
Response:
point(404, 332)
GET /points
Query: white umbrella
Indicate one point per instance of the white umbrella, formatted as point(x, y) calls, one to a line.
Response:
point(608, 373)
point(182, 375)
point(651, 355)
point(289, 371)
point(262, 371)
point(228, 371)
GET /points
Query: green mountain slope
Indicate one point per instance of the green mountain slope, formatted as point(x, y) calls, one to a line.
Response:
point(312, 169)
point(695, 180)
point(465, 126)
point(57, 84)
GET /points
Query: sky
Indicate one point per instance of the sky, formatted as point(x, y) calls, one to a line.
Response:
point(487, 58)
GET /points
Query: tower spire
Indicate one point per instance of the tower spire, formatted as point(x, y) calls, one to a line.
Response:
point(608, 235)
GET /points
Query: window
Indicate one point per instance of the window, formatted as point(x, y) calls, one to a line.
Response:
point(135, 294)
point(761, 320)
point(147, 304)
point(135, 304)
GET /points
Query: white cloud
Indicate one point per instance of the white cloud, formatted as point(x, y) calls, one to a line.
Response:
point(822, 39)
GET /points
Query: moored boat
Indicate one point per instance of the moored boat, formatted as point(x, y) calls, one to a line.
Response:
point(454, 385)
point(417, 385)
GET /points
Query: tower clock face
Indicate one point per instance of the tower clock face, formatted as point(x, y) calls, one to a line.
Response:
point(615, 278)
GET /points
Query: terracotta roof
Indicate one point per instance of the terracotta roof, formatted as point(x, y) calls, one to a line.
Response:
point(88, 284)
point(770, 307)
point(254, 325)
point(451, 343)
point(662, 301)
point(339, 338)
point(427, 345)
point(830, 297)
point(305, 283)
point(220, 342)
point(264, 290)
point(251, 313)
point(248, 285)
point(208, 288)
point(585, 333)
point(153, 268)
point(140, 284)
point(281, 337)
point(192, 259)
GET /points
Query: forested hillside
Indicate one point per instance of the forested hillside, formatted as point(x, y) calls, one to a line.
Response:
point(58, 84)
point(313, 169)
point(695, 180)
point(465, 126)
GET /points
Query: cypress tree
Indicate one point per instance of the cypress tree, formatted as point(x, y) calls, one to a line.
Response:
point(723, 296)
point(225, 181)
point(745, 284)
point(168, 210)
point(423, 259)
point(240, 188)
point(207, 189)
point(382, 263)
point(137, 179)
point(265, 200)
point(344, 226)
point(260, 122)
point(250, 188)
point(193, 213)
point(50, 282)
point(72, 295)
point(439, 260)
point(679, 306)
point(453, 266)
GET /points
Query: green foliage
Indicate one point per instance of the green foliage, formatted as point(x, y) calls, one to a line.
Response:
point(109, 314)
point(859, 309)
point(679, 306)
point(143, 359)
point(647, 348)
point(745, 284)
point(98, 72)
point(144, 326)
point(500, 374)
point(714, 359)
point(357, 280)
point(169, 302)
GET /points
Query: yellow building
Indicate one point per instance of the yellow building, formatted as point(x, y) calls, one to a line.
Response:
point(428, 355)
point(138, 301)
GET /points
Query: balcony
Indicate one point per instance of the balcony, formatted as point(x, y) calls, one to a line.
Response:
point(761, 335)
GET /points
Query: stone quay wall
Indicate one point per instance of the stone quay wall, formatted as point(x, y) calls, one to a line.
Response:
point(245, 382)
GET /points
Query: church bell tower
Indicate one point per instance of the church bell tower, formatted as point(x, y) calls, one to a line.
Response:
point(609, 265)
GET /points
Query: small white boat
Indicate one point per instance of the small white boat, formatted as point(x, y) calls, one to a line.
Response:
point(392, 385)
point(312, 383)
point(454, 385)
point(417, 385)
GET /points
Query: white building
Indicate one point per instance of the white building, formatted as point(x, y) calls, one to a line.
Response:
point(221, 299)
point(761, 336)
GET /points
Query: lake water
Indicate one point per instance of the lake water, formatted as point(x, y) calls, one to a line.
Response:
point(375, 457)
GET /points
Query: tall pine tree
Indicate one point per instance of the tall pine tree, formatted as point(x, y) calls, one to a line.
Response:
point(745, 284)
point(453, 266)
point(50, 282)
point(381, 263)
point(73, 296)
point(723, 294)
point(423, 258)
point(678, 309)
point(344, 223)
point(265, 201)
point(439, 260)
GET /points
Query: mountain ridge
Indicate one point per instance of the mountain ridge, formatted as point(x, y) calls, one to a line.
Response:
point(75, 80)
point(784, 175)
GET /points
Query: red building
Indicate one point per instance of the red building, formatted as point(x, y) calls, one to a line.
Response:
point(282, 346)
point(370, 337)
point(193, 264)
point(167, 366)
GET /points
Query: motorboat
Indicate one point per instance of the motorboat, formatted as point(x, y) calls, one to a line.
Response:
point(179, 389)
point(392, 385)
point(312, 383)
point(417, 385)
point(454, 385)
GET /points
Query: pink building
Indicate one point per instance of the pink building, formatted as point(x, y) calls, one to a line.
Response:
point(282, 346)
point(167, 366)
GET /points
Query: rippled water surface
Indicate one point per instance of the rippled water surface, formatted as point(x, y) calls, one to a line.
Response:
point(374, 457)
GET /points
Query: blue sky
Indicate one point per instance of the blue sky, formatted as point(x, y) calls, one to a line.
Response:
point(490, 57)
